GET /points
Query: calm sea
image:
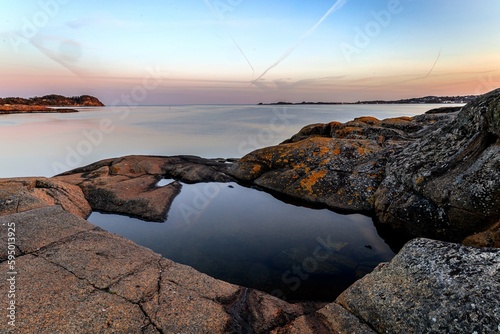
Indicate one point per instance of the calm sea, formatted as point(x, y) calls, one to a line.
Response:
point(242, 235)
point(47, 144)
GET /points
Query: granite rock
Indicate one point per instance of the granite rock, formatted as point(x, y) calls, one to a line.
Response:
point(22, 194)
point(430, 287)
point(445, 184)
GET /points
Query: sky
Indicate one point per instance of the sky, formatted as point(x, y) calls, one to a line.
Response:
point(154, 52)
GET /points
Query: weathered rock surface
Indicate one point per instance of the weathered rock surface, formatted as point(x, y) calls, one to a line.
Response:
point(445, 185)
point(22, 194)
point(431, 287)
point(434, 174)
point(337, 165)
point(128, 185)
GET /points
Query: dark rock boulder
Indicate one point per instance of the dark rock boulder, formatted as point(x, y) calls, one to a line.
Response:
point(128, 185)
point(445, 184)
point(430, 287)
point(337, 165)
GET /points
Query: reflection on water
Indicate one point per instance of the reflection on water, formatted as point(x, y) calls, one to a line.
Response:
point(248, 237)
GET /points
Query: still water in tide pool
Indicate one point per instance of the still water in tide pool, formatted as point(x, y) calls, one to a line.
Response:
point(248, 237)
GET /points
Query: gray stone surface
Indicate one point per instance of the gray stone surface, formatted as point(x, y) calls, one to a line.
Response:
point(431, 287)
point(445, 185)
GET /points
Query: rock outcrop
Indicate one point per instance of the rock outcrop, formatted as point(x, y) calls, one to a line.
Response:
point(430, 287)
point(23, 194)
point(18, 105)
point(445, 185)
point(128, 185)
point(338, 165)
point(433, 175)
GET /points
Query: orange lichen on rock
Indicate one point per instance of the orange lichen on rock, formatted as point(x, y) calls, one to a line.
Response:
point(361, 151)
point(310, 180)
point(256, 169)
point(368, 120)
point(323, 150)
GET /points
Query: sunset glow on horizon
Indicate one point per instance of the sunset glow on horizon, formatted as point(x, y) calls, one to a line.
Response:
point(249, 51)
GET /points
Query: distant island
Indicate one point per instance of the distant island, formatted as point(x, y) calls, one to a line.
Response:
point(19, 105)
point(416, 100)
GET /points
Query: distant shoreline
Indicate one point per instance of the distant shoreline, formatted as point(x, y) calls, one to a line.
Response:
point(418, 100)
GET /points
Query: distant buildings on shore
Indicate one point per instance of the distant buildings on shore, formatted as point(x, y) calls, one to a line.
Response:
point(416, 100)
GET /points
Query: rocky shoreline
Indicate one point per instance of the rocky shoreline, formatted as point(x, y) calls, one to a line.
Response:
point(434, 176)
point(26, 109)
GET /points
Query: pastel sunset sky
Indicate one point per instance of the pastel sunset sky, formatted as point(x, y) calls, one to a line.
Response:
point(248, 51)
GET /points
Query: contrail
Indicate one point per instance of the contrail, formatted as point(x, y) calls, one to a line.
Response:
point(335, 7)
point(248, 61)
point(435, 62)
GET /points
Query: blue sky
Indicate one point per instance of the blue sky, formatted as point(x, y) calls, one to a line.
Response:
point(249, 51)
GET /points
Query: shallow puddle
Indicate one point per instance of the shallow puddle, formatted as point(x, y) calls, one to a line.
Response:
point(248, 237)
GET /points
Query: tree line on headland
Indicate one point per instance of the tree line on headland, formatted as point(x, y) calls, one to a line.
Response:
point(54, 100)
